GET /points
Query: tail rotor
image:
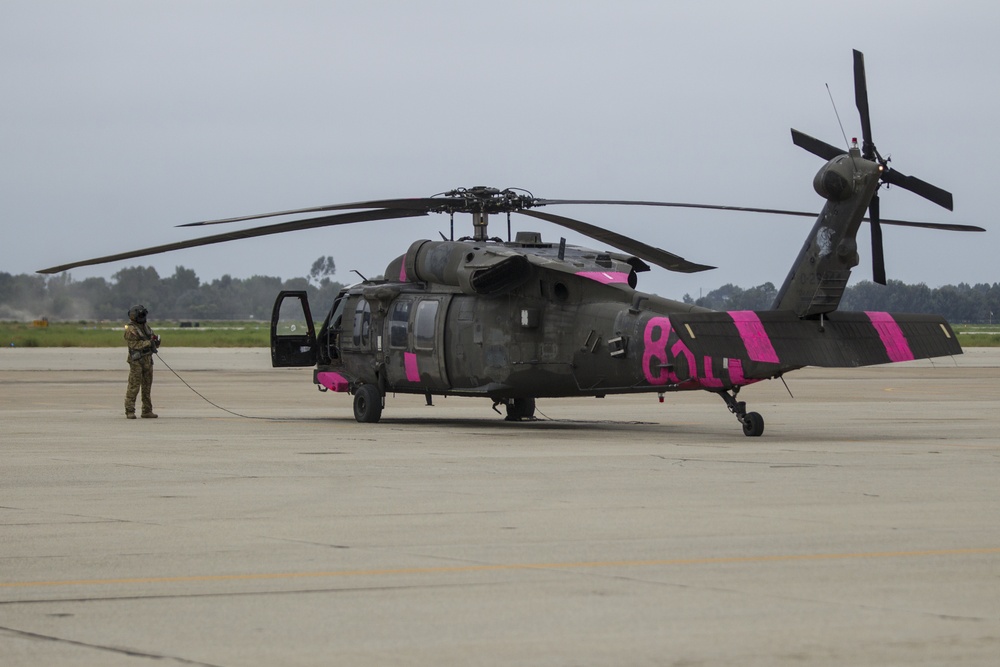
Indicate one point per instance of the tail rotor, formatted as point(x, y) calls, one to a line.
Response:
point(869, 152)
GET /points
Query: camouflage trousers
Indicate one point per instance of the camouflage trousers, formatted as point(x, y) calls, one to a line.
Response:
point(140, 377)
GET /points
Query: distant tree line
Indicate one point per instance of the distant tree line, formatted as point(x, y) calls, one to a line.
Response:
point(182, 296)
point(970, 304)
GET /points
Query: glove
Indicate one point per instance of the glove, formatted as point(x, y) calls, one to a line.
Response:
point(155, 342)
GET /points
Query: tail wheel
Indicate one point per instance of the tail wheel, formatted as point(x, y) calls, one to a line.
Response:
point(753, 424)
point(367, 404)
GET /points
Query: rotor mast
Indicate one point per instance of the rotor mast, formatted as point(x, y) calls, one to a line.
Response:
point(480, 223)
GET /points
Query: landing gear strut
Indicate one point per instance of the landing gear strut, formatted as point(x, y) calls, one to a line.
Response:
point(517, 408)
point(753, 423)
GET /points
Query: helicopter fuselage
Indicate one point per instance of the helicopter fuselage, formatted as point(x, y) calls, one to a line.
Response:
point(566, 322)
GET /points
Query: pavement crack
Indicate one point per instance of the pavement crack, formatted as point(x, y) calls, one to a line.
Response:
point(100, 647)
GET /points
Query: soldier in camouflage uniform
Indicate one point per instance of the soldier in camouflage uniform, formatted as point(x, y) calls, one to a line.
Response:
point(142, 344)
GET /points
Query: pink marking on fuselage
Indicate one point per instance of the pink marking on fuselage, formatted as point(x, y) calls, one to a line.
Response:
point(654, 351)
point(605, 277)
point(896, 345)
point(758, 343)
point(657, 361)
point(402, 270)
point(709, 380)
point(679, 349)
point(736, 372)
point(410, 364)
point(332, 381)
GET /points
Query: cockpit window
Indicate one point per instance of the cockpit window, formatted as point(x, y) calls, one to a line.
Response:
point(362, 324)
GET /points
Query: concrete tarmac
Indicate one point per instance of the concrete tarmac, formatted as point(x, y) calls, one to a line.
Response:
point(863, 528)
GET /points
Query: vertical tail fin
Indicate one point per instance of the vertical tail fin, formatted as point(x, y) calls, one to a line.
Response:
point(849, 182)
point(817, 280)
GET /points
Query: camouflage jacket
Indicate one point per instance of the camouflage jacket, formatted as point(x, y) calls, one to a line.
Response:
point(138, 338)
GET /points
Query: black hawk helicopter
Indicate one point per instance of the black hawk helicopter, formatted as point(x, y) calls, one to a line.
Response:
point(517, 320)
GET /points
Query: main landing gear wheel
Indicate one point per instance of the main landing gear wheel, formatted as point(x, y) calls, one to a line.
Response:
point(367, 404)
point(520, 408)
point(753, 423)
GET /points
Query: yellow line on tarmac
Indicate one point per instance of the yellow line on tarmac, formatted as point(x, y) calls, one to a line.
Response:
point(501, 567)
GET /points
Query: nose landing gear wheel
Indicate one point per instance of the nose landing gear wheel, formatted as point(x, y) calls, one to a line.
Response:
point(521, 408)
point(367, 404)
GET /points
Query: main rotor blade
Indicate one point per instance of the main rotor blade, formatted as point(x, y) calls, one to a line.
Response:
point(415, 204)
point(815, 146)
point(878, 252)
point(296, 225)
point(657, 256)
point(917, 186)
point(929, 225)
point(671, 204)
point(861, 101)
point(750, 209)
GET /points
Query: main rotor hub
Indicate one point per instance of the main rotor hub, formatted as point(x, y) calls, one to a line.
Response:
point(485, 200)
point(482, 201)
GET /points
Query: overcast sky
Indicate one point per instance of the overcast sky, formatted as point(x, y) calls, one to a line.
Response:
point(122, 119)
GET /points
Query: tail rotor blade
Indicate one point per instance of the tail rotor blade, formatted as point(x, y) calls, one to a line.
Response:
point(923, 188)
point(878, 254)
point(861, 100)
point(815, 146)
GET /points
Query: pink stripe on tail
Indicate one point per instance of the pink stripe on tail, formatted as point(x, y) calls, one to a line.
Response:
point(892, 336)
point(752, 332)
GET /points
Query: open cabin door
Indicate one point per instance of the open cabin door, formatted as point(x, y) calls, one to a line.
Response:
point(293, 333)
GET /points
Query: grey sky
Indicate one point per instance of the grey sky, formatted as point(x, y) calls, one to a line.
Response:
point(122, 119)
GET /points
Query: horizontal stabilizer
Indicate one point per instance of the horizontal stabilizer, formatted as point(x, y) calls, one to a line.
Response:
point(775, 340)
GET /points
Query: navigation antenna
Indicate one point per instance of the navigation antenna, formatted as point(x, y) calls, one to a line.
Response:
point(837, 114)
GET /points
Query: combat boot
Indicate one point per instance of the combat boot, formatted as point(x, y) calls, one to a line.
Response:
point(129, 415)
point(149, 415)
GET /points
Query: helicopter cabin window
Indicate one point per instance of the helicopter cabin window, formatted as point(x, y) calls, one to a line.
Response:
point(362, 323)
point(399, 323)
point(292, 318)
point(423, 325)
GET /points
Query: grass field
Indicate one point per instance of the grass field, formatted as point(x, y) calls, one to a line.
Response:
point(978, 335)
point(109, 334)
point(255, 334)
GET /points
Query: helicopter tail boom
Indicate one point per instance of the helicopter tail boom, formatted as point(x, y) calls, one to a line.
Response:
point(770, 342)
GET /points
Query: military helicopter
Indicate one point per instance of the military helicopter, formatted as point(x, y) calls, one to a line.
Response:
point(520, 319)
